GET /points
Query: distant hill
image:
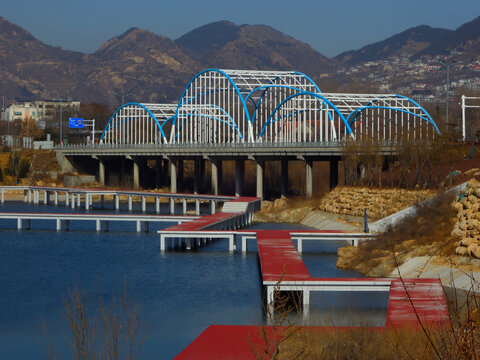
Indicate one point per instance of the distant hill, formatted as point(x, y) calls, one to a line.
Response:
point(418, 41)
point(258, 47)
point(151, 67)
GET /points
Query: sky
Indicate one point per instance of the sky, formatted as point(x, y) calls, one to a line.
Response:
point(330, 27)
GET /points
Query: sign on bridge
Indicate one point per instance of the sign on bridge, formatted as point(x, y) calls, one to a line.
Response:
point(76, 123)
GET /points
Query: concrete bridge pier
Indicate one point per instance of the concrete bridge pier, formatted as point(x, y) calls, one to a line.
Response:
point(101, 172)
point(260, 177)
point(216, 175)
point(173, 176)
point(136, 174)
point(308, 177)
point(239, 176)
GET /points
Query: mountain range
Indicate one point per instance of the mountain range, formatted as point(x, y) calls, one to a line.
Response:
point(147, 67)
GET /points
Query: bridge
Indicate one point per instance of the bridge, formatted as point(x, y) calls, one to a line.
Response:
point(251, 115)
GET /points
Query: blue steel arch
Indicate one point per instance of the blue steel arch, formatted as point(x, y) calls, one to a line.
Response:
point(107, 127)
point(428, 118)
point(223, 73)
point(308, 93)
point(268, 87)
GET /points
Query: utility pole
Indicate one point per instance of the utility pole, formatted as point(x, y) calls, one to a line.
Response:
point(448, 63)
point(61, 100)
point(122, 95)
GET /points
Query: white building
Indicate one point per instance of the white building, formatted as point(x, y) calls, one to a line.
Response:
point(35, 110)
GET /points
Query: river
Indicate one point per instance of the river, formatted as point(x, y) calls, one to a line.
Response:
point(179, 293)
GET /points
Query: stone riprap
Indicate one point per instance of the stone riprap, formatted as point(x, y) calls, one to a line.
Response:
point(379, 203)
point(467, 227)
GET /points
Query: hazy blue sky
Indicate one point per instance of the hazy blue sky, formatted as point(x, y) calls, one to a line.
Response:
point(328, 26)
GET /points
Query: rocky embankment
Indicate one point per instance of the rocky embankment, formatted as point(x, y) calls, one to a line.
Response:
point(378, 202)
point(467, 225)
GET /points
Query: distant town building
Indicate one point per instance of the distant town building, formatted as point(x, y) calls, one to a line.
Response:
point(35, 110)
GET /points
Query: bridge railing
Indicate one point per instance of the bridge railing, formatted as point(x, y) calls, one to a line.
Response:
point(324, 144)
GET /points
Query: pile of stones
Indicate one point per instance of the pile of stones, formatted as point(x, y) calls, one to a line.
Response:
point(467, 227)
point(379, 203)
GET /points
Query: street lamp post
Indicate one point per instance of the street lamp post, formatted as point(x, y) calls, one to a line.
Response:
point(61, 100)
point(448, 63)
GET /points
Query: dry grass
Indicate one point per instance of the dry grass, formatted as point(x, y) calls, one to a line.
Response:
point(427, 233)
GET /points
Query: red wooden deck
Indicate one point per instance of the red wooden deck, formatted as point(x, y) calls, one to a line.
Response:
point(200, 223)
point(410, 301)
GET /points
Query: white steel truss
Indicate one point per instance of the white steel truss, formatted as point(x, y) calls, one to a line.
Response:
point(139, 124)
point(250, 106)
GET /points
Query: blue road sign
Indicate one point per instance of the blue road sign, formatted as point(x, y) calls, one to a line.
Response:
point(76, 123)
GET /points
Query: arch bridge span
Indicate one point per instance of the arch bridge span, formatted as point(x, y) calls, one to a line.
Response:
point(235, 107)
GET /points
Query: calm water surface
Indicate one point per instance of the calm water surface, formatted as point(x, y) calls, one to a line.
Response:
point(179, 293)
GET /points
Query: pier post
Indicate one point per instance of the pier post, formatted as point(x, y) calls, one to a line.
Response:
point(284, 178)
point(231, 243)
point(239, 176)
point(184, 203)
point(25, 195)
point(67, 198)
point(144, 204)
point(72, 201)
point(333, 173)
point(162, 242)
point(101, 172)
point(306, 303)
point(45, 197)
point(136, 174)
point(173, 176)
point(299, 245)
point(19, 223)
point(260, 176)
point(157, 204)
point(58, 224)
point(197, 207)
point(98, 225)
point(130, 206)
point(188, 244)
point(87, 201)
point(79, 201)
point(172, 206)
point(213, 207)
point(308, 178)
point(117, 201)
point(244, 244)
point(139, 226)
point(270, 304)
point(55, 196)
point(29, 195)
